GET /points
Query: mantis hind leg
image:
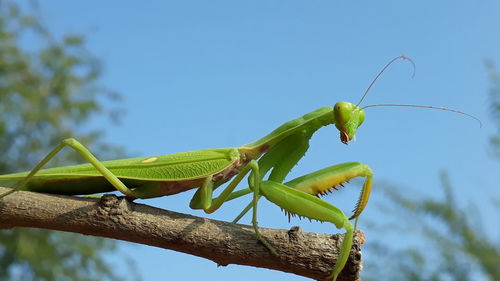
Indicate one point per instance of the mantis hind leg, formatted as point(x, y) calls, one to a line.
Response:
point(82, 150)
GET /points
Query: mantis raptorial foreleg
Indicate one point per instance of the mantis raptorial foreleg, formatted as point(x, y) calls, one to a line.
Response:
point(303, 204)
point(297, 197)
point(318, 182)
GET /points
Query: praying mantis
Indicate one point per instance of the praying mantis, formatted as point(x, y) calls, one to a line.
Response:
point(273, 156)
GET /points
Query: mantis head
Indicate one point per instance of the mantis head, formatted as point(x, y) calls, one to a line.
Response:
point(347, 117)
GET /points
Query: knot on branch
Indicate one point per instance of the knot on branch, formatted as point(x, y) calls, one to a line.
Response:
point(295, 234)
point(113, 208)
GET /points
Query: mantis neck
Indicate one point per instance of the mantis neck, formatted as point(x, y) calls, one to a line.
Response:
point(307, 124)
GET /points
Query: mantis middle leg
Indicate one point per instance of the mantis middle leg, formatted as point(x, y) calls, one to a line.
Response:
point(203, 197)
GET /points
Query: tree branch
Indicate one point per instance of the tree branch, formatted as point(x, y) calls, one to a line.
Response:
point(308, 254)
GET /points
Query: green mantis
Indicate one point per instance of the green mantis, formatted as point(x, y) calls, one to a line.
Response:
point(266, 162)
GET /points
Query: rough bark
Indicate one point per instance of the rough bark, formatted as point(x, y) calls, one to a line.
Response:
point(308, 254)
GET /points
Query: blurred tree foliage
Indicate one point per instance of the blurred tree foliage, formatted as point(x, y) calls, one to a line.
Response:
point(495, 104)
point(456, 245)
point(48, 90)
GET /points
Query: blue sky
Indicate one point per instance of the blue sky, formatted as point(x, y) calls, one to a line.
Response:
point(207, 74)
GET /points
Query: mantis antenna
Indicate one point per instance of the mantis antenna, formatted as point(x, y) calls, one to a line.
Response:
point(409, 105)
point(430, 107)
point(382, 71)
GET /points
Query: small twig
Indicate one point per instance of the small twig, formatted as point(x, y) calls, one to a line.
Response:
point(308, 254)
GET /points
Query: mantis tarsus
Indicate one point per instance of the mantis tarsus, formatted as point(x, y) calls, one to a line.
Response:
point(273, 156)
